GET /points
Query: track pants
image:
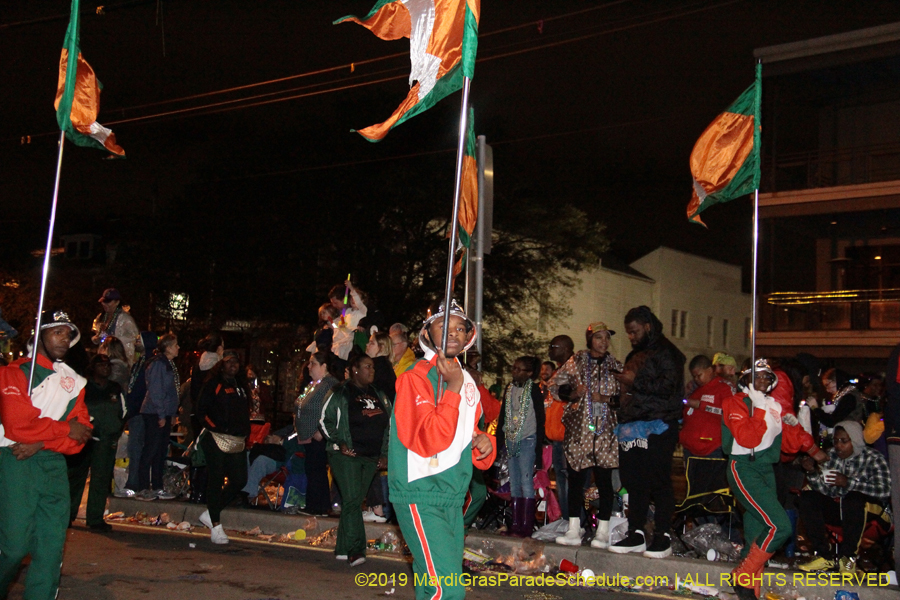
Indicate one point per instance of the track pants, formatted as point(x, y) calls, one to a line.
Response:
point(34, 514)
point(475, 498)
point(765, 521)
point(354, 475)
point(435, 537)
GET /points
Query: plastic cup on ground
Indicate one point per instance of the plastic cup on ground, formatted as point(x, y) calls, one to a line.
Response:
point(567, 566)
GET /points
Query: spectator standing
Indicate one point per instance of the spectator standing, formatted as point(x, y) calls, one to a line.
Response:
point(159, 406)
point(137, 390)
point(561, 350)
point(116, 321)
point(224, 409)
point(434, 442)
point(648, 431)
point(106, 407)
point(847, 401)
point(402, 355)
point(307, 412)
point(521, 428)
point(36, 430)
point(213, 347)
point(120, 370)
point(355, 420)
point(726, 368)
point(380, 349)
point(350, 316)
point(588, 383)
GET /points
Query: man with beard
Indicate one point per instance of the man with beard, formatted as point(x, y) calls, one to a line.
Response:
point(434, 443)
point(652, 385)
point(37, 427)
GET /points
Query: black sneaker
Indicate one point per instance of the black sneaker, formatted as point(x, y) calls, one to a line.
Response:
point(660, 548)
point(634, 542)
point(102, 526)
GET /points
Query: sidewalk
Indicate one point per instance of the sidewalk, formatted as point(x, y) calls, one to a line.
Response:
point(599, 561)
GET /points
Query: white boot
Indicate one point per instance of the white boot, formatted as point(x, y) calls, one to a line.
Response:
point(601, 538)
point(573, 535)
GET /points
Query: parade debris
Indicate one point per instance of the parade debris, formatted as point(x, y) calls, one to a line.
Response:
point(711, 537)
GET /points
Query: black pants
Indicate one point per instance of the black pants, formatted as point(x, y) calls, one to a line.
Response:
point(156, 448)
point(603, 480)
point(647, 475)
point(818, 510)
point(220, 465)
point(318, 494)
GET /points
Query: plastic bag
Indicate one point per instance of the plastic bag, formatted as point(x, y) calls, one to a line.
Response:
point(711, 536)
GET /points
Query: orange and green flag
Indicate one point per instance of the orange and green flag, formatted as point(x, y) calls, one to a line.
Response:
point(468, 205)
point(725, 160)
point(78, 95)
point(443, 40)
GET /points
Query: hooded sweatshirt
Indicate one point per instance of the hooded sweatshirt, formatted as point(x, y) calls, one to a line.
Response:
point(866, 469)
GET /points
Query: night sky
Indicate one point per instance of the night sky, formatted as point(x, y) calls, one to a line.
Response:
point(606, 122)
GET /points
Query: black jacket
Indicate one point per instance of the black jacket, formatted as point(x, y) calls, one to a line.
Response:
point(224, 407)
point(892, 403)
point(658, 389)
point(537, 401)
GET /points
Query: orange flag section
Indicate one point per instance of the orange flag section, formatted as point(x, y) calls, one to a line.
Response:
point(391, 22)
point(85, 103)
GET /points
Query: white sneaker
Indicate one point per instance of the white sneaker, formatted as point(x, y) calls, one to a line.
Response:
point(340, 557)
point(217, 535)
point(124, 493)
point(204, 518)
point(573, 534)
point(369, 516)
point(601, 537)
point(164, 495)
point(357, 560)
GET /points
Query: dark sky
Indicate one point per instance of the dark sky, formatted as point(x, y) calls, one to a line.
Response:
point(606, 122)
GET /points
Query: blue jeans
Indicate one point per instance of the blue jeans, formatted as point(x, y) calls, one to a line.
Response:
point(562, 478)
point(135, 448)
point(521, 469)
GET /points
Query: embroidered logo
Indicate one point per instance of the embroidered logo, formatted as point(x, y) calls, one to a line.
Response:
point(67, 384)
point(471, 394)
point(11, 390)
point(708, 398)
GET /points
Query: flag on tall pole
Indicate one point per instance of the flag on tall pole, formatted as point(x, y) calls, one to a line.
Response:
point(725, 160)
point(468, 206)
point(78, 95)
point(443, 40)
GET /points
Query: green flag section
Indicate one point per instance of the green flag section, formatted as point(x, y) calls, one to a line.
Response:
point(468, 206)
point(725, 160)
point(78, 95)
point(443, 41)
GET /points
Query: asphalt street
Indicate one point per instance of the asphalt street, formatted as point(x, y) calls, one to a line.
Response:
point(134, 562)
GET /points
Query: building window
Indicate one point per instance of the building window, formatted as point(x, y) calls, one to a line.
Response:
point(709, 332)
point(679, 323)
point(747, 332)
point(724, 334)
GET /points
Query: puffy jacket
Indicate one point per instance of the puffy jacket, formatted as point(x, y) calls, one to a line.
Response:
point(658, 389)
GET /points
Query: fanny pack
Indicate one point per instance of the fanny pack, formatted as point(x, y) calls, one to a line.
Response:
point(229, 444)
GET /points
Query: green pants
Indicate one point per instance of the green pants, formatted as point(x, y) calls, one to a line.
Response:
point(34, 514)
point(98, 457)
point(353, 475)
point(475, 498)
point(765, 521)
point(435, 537)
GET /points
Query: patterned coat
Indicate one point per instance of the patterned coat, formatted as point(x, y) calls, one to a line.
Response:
point(583, 447)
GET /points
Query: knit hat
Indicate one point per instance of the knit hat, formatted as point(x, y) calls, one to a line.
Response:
point(855, 431)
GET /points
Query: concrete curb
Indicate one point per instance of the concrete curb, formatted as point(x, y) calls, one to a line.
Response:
point(599, 561)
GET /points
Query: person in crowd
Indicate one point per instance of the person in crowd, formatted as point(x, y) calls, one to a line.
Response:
point(755, 433)
point(7, 331)
point(159, 406)
point(37, 428)
point(701, 430)
point(120, 371)
point(263, 459)
point(434, 442)
point(115, 320)
point(224, 409)
point(106, 406)
point(380, 349)
point(648, 430)
point(521, 427)
point(561, 350)
point(872, 386)
point(307, 412)
point(355, 420)
point(854, 481)
point(892, 436)
point(490, 412)
point(587, 382)
point(726, 368)
point(262, 406)
point(350, 315)
point(213, 347)
point(136, 391)
point(324, 337)
point(402, 356)
point(846, 400)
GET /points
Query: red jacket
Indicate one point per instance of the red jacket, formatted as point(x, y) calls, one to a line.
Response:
point(701, 432)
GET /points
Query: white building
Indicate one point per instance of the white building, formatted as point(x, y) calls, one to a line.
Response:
point(698, 300)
